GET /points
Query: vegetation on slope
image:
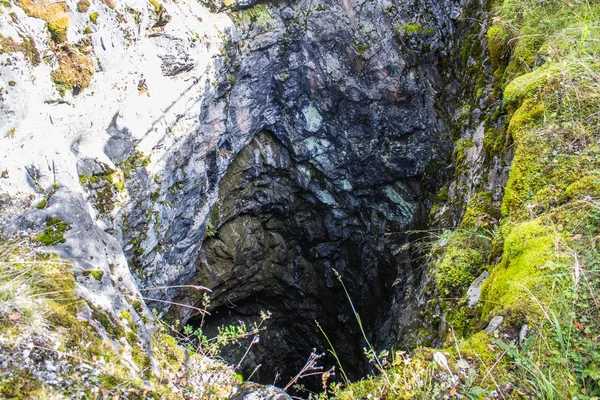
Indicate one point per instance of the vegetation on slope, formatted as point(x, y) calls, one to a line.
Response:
point(49, 349)
point(540, 243)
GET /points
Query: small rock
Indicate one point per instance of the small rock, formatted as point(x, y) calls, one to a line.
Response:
point(474, 291)
point(523, 334)
point(50, 366)
point(494, 325)
point(442, 361)
point(462, 364)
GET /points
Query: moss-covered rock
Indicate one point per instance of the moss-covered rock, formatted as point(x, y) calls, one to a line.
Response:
point(54, 232)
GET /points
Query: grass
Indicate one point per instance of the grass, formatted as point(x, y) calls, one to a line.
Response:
point(75, 69)
point(83, 5)
point(40, 325)
point(53, 13)
point(26, 47)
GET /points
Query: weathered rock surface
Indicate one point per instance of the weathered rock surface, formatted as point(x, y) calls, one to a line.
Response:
point(255, 158)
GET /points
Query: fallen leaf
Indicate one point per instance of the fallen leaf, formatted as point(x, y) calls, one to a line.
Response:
point(452, 392)
point(578, 325)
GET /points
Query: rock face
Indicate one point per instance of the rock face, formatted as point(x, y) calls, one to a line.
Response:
point(311, 152)
point(304, 154)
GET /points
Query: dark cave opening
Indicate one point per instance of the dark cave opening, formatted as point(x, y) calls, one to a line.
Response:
point(281, 231)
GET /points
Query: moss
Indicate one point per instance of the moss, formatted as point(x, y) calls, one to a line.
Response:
point(57, 33)
point(54, 13)
point(83, 5)
point(11, 133)
point(259, 14)
point(588, 185)
point(137, 306)
point(528, 249)
point(460, 153)
point(173, 355)
point(108, 381)
point(50, 287)
point(495, 141)
point(94, 17)
point(112, 328)
point(456, 270)
point(525, 56)
point(21, 382)
point(126, 315)
point(460, 317)
point(54, 232)
point(133, 163)
point(525, 86)
point(481, 212)
point(362, 48)
point(414, 29)
point(75, 69)
point(26, 47)
point(97, 274)
point(498, 44)
point(142, 360)
point(478, 349)
point(518, 188)
point(105, 187)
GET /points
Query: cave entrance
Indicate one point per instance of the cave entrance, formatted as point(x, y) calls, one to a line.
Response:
point(276, 237)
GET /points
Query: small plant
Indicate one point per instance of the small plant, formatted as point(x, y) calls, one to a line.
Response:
point(11, 133)
point(54, 231)
point(55, 14)
point(210, 230)
point(83, 5)
point(196, 341)
point(75, 69)
point(26, 47)
point(97, 274)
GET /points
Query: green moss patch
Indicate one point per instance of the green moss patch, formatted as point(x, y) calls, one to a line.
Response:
point(97, 274)
point(75, 69)
point(26, 47)
point(529, 250)
point(54, 232)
